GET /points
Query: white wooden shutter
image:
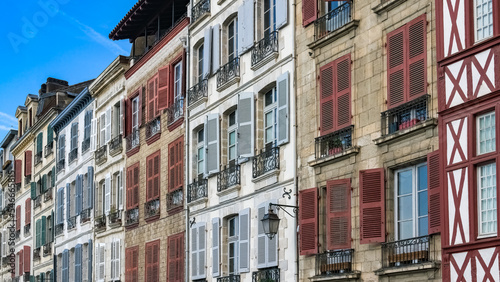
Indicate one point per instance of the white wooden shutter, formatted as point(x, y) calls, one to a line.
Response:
point(93, 135)
point(122, 115)
point(113, 257)
point(244, 240)
point(102, 131)
point(281, 13)
point(283, 117)
point(245, 26)
point(108, 124)
point(101, 260)
point(207, 52)
point(120, 190)
point(212, 159)
point(261, 237)
point(201, 250)
point(246, 112)
point(215, 247)
point(215, 48)
point(117, 259)
point(107, 194)
point(194, 252)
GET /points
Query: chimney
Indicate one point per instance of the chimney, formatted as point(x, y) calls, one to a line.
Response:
point(43, 89)
point(54, 84)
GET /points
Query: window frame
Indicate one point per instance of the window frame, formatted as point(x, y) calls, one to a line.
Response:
point(232, 129)
point(177, 81)
point(200, 147)
point(199, 60)
point(481, 235)
point(232, 25)
point(273, 109)
point(233, 240)
point(477, 137)
point(134, 120)
point(474, 23)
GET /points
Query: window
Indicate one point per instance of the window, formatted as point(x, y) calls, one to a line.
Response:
point(152, 259)
point(131, 264)
point(178, 81)
point(20, 127)
point(486, 133)
point(411, 211)
point(62, 145)
point(269, 17)
point(231, 137)
point(133, 186)
point(135, 114)
point(115, 259)
point(487, 200)
point(200, 63)
point(200, 152)
point(232, 39)
point(232, 245)
point(118, 190)
point(100, 197)
point(175, 164)
point(74, 136)
point(30, 116)
point(87, 125)
point(39, 144)
point(483, 19)
point(152, 98)
point(270, 118)
point(117, 120)
point(198, 251)
point(153, 176)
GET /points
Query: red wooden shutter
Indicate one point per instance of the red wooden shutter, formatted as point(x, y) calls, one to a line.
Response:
point(396, 64)
point(309, 11)
point(155, 266)
point(131, 263)
point(18, 218)
point(327, 98)
point(434, 192)
point(27, 211)
point(343, 91)
point(338, 225)
point(27, 163)
point(308, 221)
point(130, 196)
point(21, 262)
point(175, 165)
point(151, 98)
point(149, 181)
point(175, 256)
point(27, 258)
point(372, 205)
point(135, 264)
point(156, 176)
point(140, 106)
point(417, 54)
point(163, 87)
point(124, 120)
point(147, 262)
point(18, 165)
point(128, 261)
point(135, 191)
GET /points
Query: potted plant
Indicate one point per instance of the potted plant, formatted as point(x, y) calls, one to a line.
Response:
point(335, 146)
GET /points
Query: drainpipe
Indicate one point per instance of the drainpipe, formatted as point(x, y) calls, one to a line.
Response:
point(294, 137)
point(186, 149)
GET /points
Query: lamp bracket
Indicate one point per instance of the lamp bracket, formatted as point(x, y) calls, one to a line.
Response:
point(285, 193)
point(295, 209)
point(192, 222)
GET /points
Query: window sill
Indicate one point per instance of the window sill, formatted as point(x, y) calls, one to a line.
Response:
point(387, 6)
point(171, 127)
point(269, 176)
point(133, 151)
point(400, 134)
point(153, 138)
point(420, 267)
point(230, 82)
point(335, 158)
point(263, 62)
point(199, 201)
point(197, 103)
point(332, 36)
point(336, 277)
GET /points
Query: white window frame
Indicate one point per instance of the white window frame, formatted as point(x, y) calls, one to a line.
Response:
point(233, 240)
point(232, 129)
point(272, 21)
point(271, 109)
point(135, 114)
point(234, 37)
point(481, 233)
point(178, 81)
point(478, 132)
point(200, 147)
point(477, 38)
point(200, 62)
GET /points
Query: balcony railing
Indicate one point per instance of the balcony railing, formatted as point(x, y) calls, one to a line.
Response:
point(132, 140)
point(406, 115)
point(100, 223)
point(405, 252)
point(267, 160)
point(228, 72)
point(38, 201)
point(265, 48)
point(230, 278)
point(115, 218)
point(198, 92)
point(48, 194)
point(267, 275)
point(228, 177)
point(73, 154)
point(72, 222)
point(333, 143)
point(115, 145)
point(132, 216)
point(175, 199)
point(59, 229)
point(60, 164)
point(334, 262)
point(38, 158)
point(333, 20)
point(49, 149)
point(101, 154)
point(47, 249)
point(85, 145)
point(85, 215)
point(175, 111)
point(197, 190)
point(200, 9)
point(153, 127)
point(152, 208)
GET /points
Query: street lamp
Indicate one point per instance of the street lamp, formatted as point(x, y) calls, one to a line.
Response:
point(271, 221)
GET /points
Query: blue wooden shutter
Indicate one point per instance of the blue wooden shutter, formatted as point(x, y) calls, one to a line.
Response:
point(283, 119)
point(90, 187)
point(78, 263)
point(68, 201)
point(89, 267)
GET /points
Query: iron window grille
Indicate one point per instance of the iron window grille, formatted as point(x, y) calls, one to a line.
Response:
point(333, 20)
point(175, 111)
point(85, 145)
point(153, 127)
point(101, 154)
point(200, 9)
point(406, 115)
point(197, 190)
point(73, 154)
point(175, 199)
point(228, 177)
point(267, 160)
point(228, 72)
point(230, 278)
point(132, 216)
point(132, 140)
point(152, 208)
point(115, 145)
point(406, 252)
point(265, 47)
point(198, 92)
point(267, 275)
point(333, 143)
point(334, 262)
point(100, 222)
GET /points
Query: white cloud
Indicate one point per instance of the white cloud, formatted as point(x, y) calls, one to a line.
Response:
point(9, 117)
point(6, 128)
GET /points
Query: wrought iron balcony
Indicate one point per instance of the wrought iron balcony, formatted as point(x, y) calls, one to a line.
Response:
point(49, 149)
point(60, 164)
point(59, 229)
point(267, 160)
point(333, 143)
point(153, 127)
point(201, 8)
point(267, 275)
point(38, 158)
point(101, 154)
point(85, 145)
point(38, 202)
point(48, 194)
point(72, 222)
point(405, 252)
point(405, 116)
point(115, 145)
point(230, 278)
point(175, 111)
point(115, 218)
point(334, 262)
point(175, 199)
point(198, 92)
point(228, 177)
point(47, 249)
point(152, 208)
point(197, 190)
point(36, 253)
point(100, 223)
point(132, 140)
point(85, 215)
point(264, 49)
point(73, 154)
point(333, 20)
point(27, 229)
point(132, 216)
point(227, 73)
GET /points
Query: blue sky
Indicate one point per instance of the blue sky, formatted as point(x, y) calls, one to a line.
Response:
point(65, 39)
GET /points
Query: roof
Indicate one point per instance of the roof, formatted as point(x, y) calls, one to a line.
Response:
point(72, 110)
point(48, 100)
point(8, 138)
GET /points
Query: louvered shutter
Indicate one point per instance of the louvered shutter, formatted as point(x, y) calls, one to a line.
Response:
point(101, 261)
point(343, 92)
point(89, 265)
point(136, 186)
point(244, 240)
point(148, 257)
point(27, 211)
point(113, 271)
point(117, 258)
point(434, 192)
point(39, 142)
point(90, 187)
point(372, 205)
point(149, 176)
point(216, 48)
point(44, 183)
point(207, 52)
point(43, 231)
point(151, 98)
point(27, 163)
point(327, 98)
point(140, 106)
point(52, 233)
point(65, 266)
point(175, 262)
point(215, 247)
point(155, 267)
point(267, 249)
point(108, 124)
point(129, 182)
point(308, 221)
point(338, 214)
point(176, 168)
point(120, 190)
point(283, 101)
point(281, 13)
point(246, 112)
point(102, 129)
point(246, 26)
point(5, 235)
point(417, 57)
point(21, 262)
point(68, 201)
point(163, 87)
point(201, 250)
point(27, 259)
point(18, 218)
point(53, 176)
point(93, 135)
point(18, 164)
point(50, 134)
point(156, 178)
point(212, 143)
point(194, 252)
point(122, 117)
point(78, 263)
point(38, 231)
point(78, 194)
point(396, 63)
point(107, 194)
point(33, 190)
point(60, 205)
point(198, 244)
point(135, 264)
point(309, 11)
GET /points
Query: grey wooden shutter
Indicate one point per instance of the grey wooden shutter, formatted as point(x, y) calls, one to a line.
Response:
point(101, 261)
point(246, 138)
point(78, 263)
point(201, 250)
point(60, 205)
point(207, 52)
point(272, 244)
point(78, 195)
point(244, 240)
point(283, 117)
point(108, 124)
point(93, 135)
point(90, 187)
point(65, 263)
point(194, 252)
point(107, 194)
point(89, 263)
point(68, 201)
point(245, 26)
point(261, 237)
point(215, 247)
point(212, 140)
point(281, 13)
point(215, 48)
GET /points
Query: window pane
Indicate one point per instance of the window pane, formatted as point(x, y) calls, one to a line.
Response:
point(422, 178)
point(422, 203)
point(405, 208)
point(484, 19)
point(487, 199)
point(423, 225)
point(405, 230)
point(486, 133)
point(404, 182)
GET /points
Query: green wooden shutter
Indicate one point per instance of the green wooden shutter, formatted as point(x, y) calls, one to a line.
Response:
point(39, 142)
point(50, 134)
point(43, 237)
point(53, 176)
point(33, 190)
point(53, 220)
point(44, 183)
point(37, 240)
